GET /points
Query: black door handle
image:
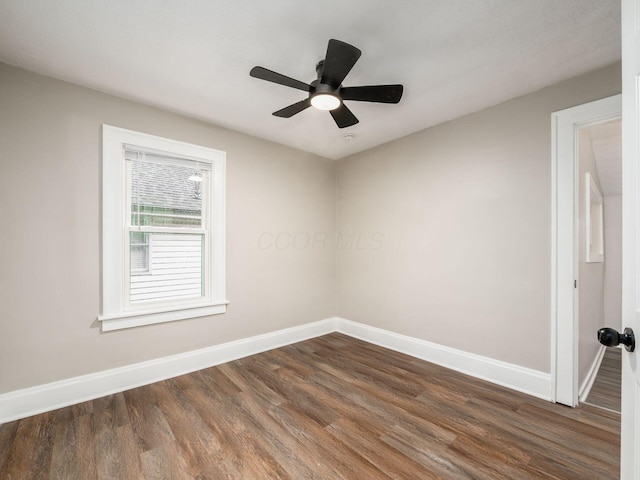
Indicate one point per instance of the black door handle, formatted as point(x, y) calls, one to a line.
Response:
point(611, 338)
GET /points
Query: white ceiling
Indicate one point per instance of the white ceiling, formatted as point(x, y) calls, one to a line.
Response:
point(453, 56)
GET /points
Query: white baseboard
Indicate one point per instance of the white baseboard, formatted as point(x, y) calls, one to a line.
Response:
point(515, 377)
point(50, 396)
point(43, 398)
point(585, 388)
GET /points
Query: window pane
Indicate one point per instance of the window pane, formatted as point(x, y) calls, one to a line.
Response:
point(175, 262)
point(165, 195)
point(139, 253)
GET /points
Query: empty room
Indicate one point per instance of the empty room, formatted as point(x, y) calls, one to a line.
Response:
point(338, 240)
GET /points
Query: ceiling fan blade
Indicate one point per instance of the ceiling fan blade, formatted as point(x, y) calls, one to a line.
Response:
point(270, 76)
point(340, 59)
point(291, 110)
point(343, 116)
point(373, 93)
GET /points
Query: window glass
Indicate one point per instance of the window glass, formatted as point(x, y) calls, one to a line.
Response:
point(166, 198)
point(165, 195)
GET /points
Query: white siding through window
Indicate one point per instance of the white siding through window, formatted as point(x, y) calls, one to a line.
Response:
point(175, 270)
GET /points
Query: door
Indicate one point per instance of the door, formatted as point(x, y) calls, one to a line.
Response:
point(630, 419)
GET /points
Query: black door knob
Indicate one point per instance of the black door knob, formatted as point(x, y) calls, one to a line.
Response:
point(611, 338)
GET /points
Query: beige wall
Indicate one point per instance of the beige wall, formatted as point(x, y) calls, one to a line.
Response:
point(463, 210)
point(49, 201)
point(590, 275)
point(613, 261)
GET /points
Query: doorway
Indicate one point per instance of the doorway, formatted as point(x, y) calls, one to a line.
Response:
point(570, 184)
point(599, 244)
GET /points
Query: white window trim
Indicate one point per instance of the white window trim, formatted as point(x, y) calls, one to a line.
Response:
point(114, 314)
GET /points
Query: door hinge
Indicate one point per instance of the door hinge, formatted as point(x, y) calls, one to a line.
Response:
point(575, 284)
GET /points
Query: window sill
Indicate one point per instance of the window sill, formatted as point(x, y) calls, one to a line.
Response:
point(137, 319)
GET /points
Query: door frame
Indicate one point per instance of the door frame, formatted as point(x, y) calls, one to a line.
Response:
point(564, 239)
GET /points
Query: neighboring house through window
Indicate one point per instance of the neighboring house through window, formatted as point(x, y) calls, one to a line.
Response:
point(163, 230)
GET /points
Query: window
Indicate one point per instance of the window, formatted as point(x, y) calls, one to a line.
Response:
point(163, 230)
point(594, 221)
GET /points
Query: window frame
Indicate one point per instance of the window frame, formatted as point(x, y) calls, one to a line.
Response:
point(116, 311)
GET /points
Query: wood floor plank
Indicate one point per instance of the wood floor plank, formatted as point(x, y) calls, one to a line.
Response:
point(607, 387)
point(217, 383)
point(389, 414)
point(594, 442)
point(298, 462)
point(196, 443)
point(246, 381)
point(164, 463)
point(251, 456)
point(237, 442)
point(435, 459)
point(147, 420)
point(329, 451)
point(117, 455)
point(29, 455)
point(560, 467)
point(7, 434)
point(84, 458)
point(388, 460)
point(533, 436)
point(328, 408)
point(110, 412)
point(488, 458)
point(73, 455)
point(288, 357)
point(288, 384)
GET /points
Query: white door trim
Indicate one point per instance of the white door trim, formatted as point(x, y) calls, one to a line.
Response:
point(564, 235)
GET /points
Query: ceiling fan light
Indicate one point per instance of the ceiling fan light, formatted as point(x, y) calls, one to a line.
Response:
point(325, 101)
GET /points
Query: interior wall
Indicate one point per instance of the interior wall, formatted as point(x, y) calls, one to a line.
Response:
point(50, 151)
point(590, 275)
point(457, 227)
point(613, 261)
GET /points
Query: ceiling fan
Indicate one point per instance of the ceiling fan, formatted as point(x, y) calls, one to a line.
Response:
point(326, 91)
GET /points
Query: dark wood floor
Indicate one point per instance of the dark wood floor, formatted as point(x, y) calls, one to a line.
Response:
point(607, 388)
point(328, 408)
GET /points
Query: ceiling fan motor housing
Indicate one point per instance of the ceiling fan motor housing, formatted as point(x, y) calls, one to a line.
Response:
point(326, 91)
